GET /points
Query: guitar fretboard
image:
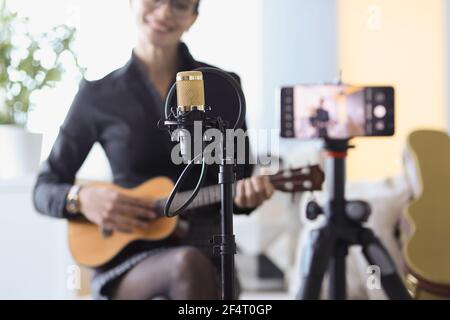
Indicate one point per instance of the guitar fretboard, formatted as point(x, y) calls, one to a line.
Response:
point(205, 197)
point(293, 180)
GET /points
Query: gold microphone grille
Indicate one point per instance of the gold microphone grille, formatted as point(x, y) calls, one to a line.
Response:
point(190, 90)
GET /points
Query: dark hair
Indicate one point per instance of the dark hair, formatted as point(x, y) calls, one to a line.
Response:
point(196, 6)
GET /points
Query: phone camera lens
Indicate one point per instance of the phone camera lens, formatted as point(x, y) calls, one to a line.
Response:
point(380, 97)
point(379, 111)
point(379, 125)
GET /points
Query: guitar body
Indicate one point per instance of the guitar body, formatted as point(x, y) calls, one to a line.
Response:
point(89, 247)
point(426, 247)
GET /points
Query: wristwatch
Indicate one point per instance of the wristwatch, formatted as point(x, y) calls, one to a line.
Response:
point(73, 205)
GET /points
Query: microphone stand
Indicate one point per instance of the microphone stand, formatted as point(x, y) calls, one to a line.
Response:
point(224, 243)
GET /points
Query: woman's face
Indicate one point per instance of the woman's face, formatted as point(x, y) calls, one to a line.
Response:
point(163, 22)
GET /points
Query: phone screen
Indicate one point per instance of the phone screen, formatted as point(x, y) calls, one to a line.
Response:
point(336, 111)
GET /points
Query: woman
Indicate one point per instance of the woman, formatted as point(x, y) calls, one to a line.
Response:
point(121, 112)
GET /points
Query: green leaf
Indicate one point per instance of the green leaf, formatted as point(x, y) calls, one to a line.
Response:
point(52, 75)
point(60, 39)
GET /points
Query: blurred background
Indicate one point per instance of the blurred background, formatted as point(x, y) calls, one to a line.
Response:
point(269, 43)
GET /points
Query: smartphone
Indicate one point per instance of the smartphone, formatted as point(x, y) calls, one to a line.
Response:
point(336, 111)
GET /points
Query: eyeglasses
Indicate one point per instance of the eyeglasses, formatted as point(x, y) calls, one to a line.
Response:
point(180, 8)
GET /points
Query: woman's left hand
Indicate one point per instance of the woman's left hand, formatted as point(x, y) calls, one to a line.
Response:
point(253, 191)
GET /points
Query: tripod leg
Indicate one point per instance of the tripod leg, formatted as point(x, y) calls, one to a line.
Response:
point(336, 272)
point(376, 254)
point(314, 263)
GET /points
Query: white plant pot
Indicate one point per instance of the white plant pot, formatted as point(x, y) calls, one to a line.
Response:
point(20, 152)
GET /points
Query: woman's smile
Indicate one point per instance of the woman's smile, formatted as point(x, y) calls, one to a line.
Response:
point(158, 26)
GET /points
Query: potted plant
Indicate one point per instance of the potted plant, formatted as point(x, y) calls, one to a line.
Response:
point(28, 63)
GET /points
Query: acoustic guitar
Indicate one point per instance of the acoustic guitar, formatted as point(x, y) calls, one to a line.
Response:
point(426, 229)
point(92, 247)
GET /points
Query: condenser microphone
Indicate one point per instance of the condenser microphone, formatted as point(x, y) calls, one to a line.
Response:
point(190, 91)
point(190, 113)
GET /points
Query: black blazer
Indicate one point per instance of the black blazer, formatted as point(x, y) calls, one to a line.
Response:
point(121, 112)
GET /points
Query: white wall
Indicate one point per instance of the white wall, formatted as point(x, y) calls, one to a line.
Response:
point(228, 35)
point(299, 46)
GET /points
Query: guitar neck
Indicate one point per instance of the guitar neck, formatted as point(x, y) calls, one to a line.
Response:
point(293, 180)
point(206, 196)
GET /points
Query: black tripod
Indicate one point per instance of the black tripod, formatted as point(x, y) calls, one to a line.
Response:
point(330, 243)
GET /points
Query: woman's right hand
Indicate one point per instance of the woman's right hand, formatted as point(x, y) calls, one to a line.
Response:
point(115, 211)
